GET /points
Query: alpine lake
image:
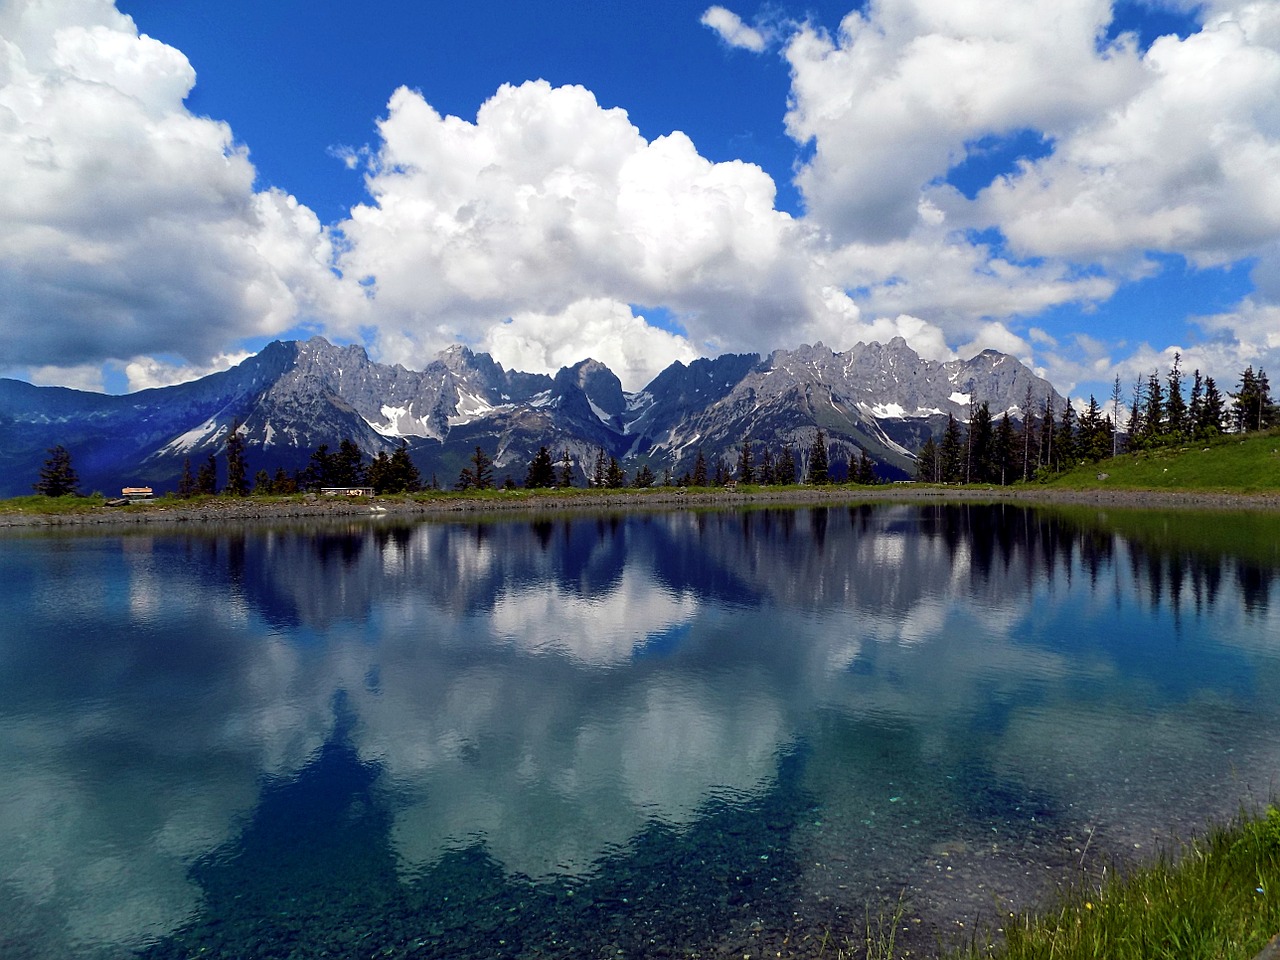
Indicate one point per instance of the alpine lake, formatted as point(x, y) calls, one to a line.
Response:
point(737, 733)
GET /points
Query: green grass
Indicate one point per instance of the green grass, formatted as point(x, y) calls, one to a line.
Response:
point(1215, 898)
point(51, 505)
point(1232, 464)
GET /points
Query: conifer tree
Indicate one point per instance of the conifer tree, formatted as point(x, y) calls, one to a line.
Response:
point(1212, 418)
point(187, 482)
point(928, 463)
point(819, 473)
point(700, 470)
point(402, 473)
point(237, 482)
point(1153, 413)
point(482, 476)
point(765, 473)
point(282, 483)
point(1065, 437)
point(347, 466)
point(951, 453)
point(542, 472)
point(645, 477)
point(566, 470)
point(1002, 452)
point(866, 473)
point(1175, 405)
point(601, 474)
point(784, 471)
point(207, 477)
point(746, 465)
point(58, 477)
point(980, 466)
point(615, 477)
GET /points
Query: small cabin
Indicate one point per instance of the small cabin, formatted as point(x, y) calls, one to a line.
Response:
point(347, 491)
point(134, 494)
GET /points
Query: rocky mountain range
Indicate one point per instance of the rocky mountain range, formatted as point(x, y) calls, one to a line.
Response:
point(295, 395)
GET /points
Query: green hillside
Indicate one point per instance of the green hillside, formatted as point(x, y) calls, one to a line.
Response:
point(1232, 464)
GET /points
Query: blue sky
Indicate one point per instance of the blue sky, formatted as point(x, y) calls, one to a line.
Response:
point(1085, 185)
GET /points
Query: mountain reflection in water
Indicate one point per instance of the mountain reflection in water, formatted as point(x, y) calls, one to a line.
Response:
point(649, 732)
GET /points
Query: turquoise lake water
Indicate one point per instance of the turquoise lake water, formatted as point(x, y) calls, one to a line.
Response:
point(664, 734)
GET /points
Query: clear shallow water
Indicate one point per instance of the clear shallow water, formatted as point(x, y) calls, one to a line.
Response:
point(655, 734)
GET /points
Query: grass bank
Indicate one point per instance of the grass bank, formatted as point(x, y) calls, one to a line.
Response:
point(1216, 898)
point(1230, 464)
point(1213, 898)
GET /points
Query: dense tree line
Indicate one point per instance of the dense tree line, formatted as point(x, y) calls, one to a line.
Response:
point(1162, 413)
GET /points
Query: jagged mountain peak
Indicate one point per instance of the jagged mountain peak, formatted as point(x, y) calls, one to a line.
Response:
point(295, 395)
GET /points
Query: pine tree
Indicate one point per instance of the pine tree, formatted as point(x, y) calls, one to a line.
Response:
point(1028, 431)
point(951, 453)
point(1175, 406)
point(187, 482)
point(1065, 438)
point(57, 477)
point(818, 464)
point(746, 465)
point(700, 470)
point(1212, 418)
point(766, 472)
point(319, 472)
point(1047, 431)
point(615, 478)
point(347, 465)
point(402, 472)
point(601, 474)
point(542, 472)
point(784, 471)
point(566, 470)
point(866, 474)
point(1003, 451)
point(237, 482)
point(645, 477)
point(1153, 413)
point(1135, 431)
point(980, 465)
point(1253, 408)
point(207, 477)
point(483, 474)
point(928, 462)
point(282, 483)
point(262, 483)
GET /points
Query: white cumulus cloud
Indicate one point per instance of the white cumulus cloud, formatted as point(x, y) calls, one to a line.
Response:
point(732, 30)
point(128, 225)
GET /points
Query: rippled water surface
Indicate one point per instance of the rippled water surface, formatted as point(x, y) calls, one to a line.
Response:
point(637, 735)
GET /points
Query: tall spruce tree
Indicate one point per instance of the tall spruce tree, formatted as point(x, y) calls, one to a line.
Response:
point(187, 482)
point(928, 462)
point(766, 471)
point(699, 470)
point(784, 471)
point(1004, 451)
point(1175, 405)
point(542, 472)
point(237, 481)
point(746, 464)
point(819, 465)
point(58, 477)
point(951, 453)
point(483, 472)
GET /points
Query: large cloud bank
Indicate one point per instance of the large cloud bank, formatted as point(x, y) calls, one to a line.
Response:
point(548, 228)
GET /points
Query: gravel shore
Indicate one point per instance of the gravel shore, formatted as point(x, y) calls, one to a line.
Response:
point(319, 508)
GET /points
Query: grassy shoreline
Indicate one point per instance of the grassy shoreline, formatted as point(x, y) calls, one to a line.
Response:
point(56, 511)
point(1216, 897)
